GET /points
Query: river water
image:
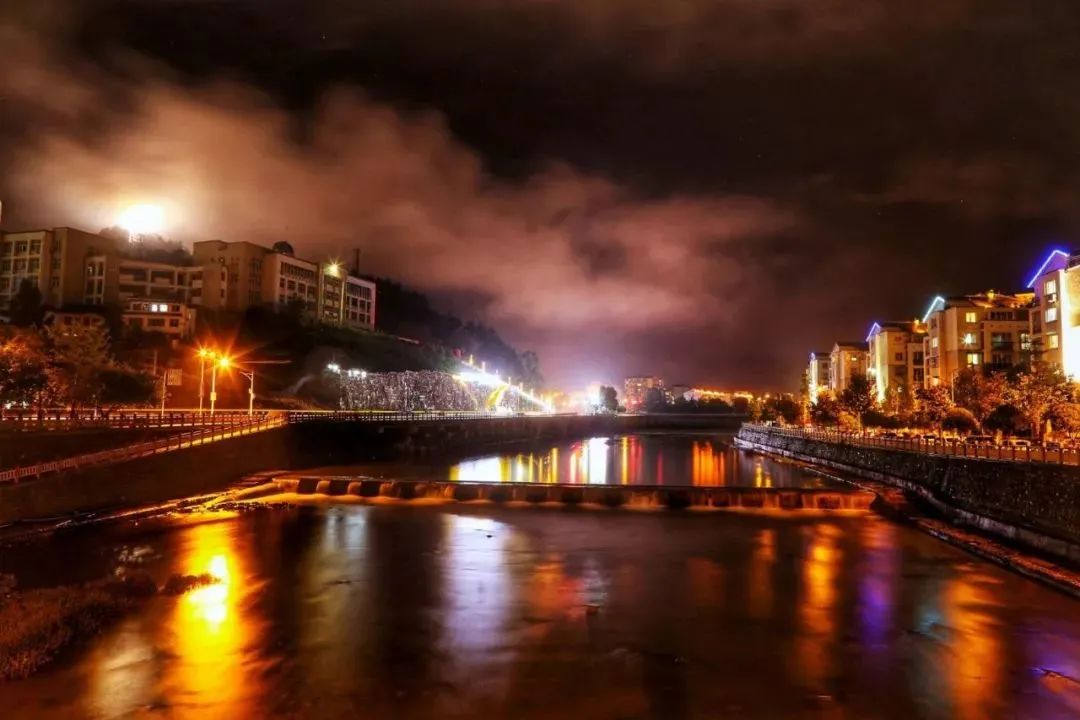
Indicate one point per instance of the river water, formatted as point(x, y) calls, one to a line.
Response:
point(481, 611)
point(643, 459)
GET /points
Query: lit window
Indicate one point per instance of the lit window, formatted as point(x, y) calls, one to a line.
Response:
point(1050, 287)
point(933, 342)
point(1051, 315)
point(1052, 341)
point(971, 317)
point(969, 338)
point(973, 359)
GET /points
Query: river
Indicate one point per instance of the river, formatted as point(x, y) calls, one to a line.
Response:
point(482, 611)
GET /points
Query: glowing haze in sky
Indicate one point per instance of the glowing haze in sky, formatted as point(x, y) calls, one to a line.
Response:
point(702, 190)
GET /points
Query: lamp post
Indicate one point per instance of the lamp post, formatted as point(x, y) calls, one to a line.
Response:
point(250, 375)
point(203, 354)
point(223, 363)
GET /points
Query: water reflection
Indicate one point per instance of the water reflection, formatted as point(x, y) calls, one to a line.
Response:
point(210, 631)
point(482, 611)
point(636, 460)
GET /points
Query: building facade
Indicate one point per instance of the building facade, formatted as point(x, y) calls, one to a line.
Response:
point(636, 388)
point(990, 330)
point(817, 374)
point(1055, 315)
point(72, 267)
point(895, 357)
point(845, 360)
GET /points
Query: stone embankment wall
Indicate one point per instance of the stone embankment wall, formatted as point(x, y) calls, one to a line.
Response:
point(205, 468)
point(1037, 505)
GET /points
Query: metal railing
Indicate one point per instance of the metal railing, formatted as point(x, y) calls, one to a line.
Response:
point(222, 429)
point(375, 416)
point(65, 419)
point(940, 446)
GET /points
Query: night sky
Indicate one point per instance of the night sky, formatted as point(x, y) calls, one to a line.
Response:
point(704, 190)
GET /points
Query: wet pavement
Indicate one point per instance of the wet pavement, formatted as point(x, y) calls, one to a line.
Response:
point(480, 611)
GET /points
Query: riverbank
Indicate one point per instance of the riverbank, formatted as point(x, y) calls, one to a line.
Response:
point(957, 519)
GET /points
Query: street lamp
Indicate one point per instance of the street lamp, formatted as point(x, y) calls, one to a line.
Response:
point(224, 363)
point(204, 354)
point(250, 375)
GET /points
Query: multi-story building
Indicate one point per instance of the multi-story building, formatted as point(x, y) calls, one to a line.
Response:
point(636, 388)
point(991, 330)
point(72, 267)
point(846, 359)
point(323, 292)
point(895, 359)
point(51, 259)
point(817, 374)
point(176, 320)
point(1055, 317)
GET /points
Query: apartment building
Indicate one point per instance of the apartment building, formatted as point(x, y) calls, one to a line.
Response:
point(173, 319)
point(1055, 316)
point(635, 390)
point(895, 356)
point(72, 267)
point(846, 359)
point(51, 259)
point(991, 330)
point(817, 374)
point(324, 291)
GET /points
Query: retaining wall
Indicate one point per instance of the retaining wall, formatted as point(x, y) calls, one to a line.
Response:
point(1034, 504)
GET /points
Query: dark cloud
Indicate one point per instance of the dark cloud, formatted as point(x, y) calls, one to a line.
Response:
point(706, 189)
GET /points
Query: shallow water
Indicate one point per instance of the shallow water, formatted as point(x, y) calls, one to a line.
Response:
point(486, 612)
point(644, 459)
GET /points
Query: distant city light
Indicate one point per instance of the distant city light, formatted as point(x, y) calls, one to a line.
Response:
point(142, 219)
point(333, 367)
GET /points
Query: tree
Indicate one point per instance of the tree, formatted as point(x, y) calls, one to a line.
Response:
point(825, 410)
point(960, 420)
point(1037, 392)
point(980, 393)
point(609, 398)
point(1006, 419)
point(125, 387)
point(859, 397)
point(935, 402)
point(26, 308)
point(23, 369)
point(654, 400)
point(77, 355)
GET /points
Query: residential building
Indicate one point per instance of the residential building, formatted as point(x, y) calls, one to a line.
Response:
point(635, 390)
point(895, 359)
point(112, 279)
point(173, 319)
point(51, 259)
point(323, 292)
point(990, 329)
point(846, 359)
point(1055, 317)
point(817, 374)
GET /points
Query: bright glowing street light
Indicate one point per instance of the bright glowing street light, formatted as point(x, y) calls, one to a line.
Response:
point(142, 219)
point(222, 362)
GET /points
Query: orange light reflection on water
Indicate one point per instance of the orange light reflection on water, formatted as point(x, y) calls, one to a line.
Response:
point(212, 634)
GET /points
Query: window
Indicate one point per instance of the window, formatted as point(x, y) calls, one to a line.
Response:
point(156, 322)
point(1025, 341)
point(1050, 288)
point(899, 357)
point(1052, 341)
point(1051, 314)
point(174, 323)
point(969, 339)
point(918, 375)
point(933, 342)
point(973, 359)
point(281, 282)
point(971, 317)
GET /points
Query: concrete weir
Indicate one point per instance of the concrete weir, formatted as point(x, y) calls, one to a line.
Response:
point(631, 496)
